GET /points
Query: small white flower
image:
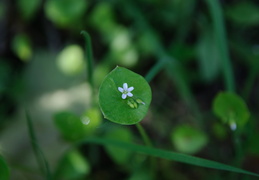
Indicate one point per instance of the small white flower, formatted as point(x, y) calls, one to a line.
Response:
point(126, 91)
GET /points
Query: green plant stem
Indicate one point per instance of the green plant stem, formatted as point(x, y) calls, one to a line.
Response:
point(148, 143)
point(253, 74)
point(42, 162)
point(144, 135)
point(89, 54)
point(220, 34)
point(155, 70)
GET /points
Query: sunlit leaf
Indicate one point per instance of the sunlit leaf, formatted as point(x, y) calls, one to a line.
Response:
point(21, 46)
point(73, 127)
point(91, 119)
point(187, 139)
point(231, 109)
point(71, 60)
point(124, 111)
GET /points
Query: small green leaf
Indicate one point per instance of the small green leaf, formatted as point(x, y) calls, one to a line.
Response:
point(245, 13)
point(72, 166)
point(66, 12)
point(28, 8)
point(119, 155)
point(73, 127)
point(4, 170)
point(21, 46)
point(231, 109)
point(187, 139)
point(124, 111)
point(91, 119)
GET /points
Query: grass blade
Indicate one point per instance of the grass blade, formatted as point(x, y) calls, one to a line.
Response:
point(89, 54)
point(42, 162)
point(220, 34)
point(169, 155)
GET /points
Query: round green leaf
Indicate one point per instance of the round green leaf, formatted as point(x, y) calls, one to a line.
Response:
point(69, 125)
point(73, 127)
point(187, 139)
point(4, 170)
point(126, 111)
point(231, 109)
point(71, 60)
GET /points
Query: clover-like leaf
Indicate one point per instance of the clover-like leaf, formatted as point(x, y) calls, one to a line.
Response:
point(124, 96)
point(231, 109)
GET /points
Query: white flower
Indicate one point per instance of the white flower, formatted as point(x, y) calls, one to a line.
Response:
point(126, 91)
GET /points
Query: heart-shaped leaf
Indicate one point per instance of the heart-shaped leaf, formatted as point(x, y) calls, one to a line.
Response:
point(124, 96)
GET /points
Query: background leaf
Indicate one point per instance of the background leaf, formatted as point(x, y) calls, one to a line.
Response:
point(230, 108)
point(187, 139)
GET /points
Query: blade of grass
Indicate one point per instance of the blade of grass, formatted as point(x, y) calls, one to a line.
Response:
point(89, 54)
point(42, 162)
point(169, 155)
point(155, 70)
point(220, 34)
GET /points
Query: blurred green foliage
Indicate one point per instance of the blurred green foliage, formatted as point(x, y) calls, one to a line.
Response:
point(176, 45)
point(4, 170)
point(188, 139)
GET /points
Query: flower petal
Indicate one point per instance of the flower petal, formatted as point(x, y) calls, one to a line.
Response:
point(129, 94)
point(130, 89)
point(124, 96)
point(125, 86)
point(120, 89)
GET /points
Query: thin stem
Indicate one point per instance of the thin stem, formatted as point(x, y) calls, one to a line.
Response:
point(148, 143)
point(155, 70)
point(89, 54)
point(144, 135)
point(249, 83)
point(42, 162)
point(220, 34)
